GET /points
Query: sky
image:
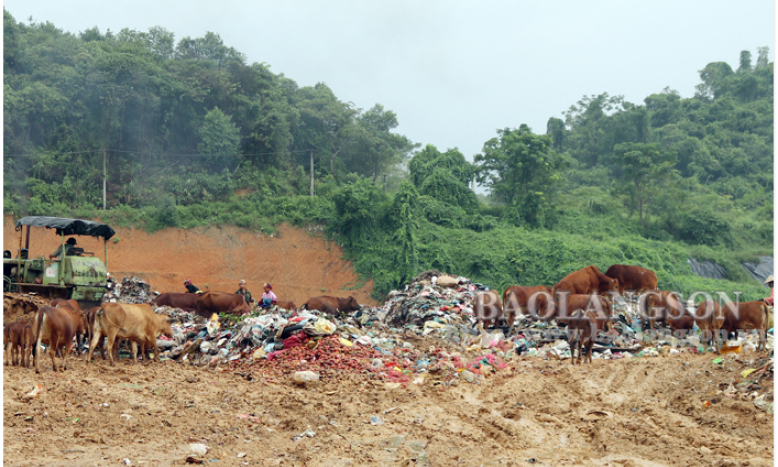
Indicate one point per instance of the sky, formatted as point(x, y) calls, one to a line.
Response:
point(455, 72)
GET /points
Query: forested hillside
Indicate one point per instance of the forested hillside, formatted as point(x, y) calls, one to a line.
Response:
point(192, 134)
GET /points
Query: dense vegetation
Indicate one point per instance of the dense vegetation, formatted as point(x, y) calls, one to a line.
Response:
point(192, 134)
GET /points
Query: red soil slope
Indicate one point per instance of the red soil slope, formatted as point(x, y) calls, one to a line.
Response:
point(296, 262)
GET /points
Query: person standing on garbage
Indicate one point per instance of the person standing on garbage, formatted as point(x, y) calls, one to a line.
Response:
point(770, 282)
point(69, 245)
point(191, 288)
point(242, 290)
point(268, 298)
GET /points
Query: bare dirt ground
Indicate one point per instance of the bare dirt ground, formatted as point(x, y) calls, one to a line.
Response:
point(640, 412)
point(299, 264)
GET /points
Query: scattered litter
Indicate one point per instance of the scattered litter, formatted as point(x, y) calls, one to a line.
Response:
point(34, 393)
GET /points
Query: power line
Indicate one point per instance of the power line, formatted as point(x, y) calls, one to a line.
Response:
point(161, 154)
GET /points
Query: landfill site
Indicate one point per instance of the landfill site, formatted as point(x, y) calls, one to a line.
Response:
point(407, 382)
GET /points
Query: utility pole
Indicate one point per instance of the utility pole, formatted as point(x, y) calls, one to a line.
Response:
point(104, 156)
point(311, 174)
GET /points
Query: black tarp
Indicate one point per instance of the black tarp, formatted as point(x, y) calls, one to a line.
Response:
point(68, 226)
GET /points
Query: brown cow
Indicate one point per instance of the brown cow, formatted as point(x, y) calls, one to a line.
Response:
point(89, 318)
point(286, 305)
point(330, 305)
point(78, 318)
point(564, 308)
point(18, 339)
point(516, 297)
point(581, 334)
point(56, 328)
point(710, 317)
point(488, 309)
point(747, 316)
point(632, 278)
point(185, 301)
point(138, 323)
point(220, 302)
point(661, 306)
point(586, 281)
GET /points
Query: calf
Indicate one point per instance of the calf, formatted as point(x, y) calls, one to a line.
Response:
point(56, 328)
point(581, 334)
point(747, 316)
point(18, 339)
point(567, 304)
point(710, 318)
point(138, 323)
point(488, 309)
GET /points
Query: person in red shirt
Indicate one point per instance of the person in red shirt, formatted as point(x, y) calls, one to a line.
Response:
point(769, 283)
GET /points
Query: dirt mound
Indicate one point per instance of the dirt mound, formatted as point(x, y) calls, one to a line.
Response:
point(625, 412)
point(21, 307)
point(298, 263)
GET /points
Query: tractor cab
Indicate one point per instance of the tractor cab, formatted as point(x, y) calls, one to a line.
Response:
point(74, 273)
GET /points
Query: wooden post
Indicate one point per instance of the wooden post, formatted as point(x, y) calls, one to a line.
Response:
point(104, 156)
point(311, 174)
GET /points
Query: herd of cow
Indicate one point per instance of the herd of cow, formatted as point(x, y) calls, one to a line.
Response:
point(63, 321)
point(582, 300)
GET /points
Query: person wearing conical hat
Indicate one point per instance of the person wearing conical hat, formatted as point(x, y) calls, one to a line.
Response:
point(769, 283)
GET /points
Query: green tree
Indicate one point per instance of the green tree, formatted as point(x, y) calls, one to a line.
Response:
point(219, 139)
point(404, 213)
point(642, 171)
point(522, 171)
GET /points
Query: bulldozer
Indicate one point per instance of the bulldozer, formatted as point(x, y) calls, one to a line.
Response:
point(74, 274)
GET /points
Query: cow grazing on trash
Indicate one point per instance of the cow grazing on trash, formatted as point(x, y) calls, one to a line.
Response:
point(56, 328)
point(220, 302)
point(747, 316)
point(138, 323)
point(286, 305)
point(530, 300)
point(632, 278)
point(185, 301)
point(488, 309)
point(657, 306)
point(331, 305)
point(586, 281)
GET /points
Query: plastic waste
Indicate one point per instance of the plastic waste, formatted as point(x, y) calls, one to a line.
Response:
point(34, 393)
point(302, 377)
point(467, 376)
point(308, 433)
point(213, 325)
point(376, 420)
point(198, 448)
point(324, 327)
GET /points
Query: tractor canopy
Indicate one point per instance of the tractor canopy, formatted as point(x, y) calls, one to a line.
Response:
point(65, 226)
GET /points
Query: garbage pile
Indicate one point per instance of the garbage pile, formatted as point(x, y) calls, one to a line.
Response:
point(131, 290)
point(432, 296)
point(280, 345)
point(424, 332)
